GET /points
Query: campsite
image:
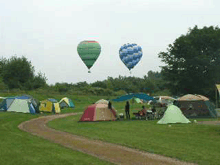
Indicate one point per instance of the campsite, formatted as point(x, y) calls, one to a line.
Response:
point(144, 135)
point(109, 82)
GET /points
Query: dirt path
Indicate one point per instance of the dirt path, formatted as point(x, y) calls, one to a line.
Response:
point(209, 122)
point(106, 151)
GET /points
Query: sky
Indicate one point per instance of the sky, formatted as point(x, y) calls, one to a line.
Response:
point(47, 33)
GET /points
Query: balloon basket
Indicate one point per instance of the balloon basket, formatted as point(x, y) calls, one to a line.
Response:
point(89, 71)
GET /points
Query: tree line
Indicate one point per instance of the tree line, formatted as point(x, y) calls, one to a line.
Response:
point(191, 66)
point(18, 73)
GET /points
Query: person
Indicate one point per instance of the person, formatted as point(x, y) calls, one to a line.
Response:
point(127, 110)
point(154, 112)
point(109, 105)
point(153, 109)
point(143, 112)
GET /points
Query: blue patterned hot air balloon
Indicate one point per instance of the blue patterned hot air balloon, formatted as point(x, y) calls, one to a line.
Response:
point(130, 55)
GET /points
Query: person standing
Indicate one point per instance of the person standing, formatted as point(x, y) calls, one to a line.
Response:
point(109, 105)
point(154, 111)
point(127, 110)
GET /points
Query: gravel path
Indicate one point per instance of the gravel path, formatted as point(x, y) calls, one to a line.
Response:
point(209, 122)
point(110, 152)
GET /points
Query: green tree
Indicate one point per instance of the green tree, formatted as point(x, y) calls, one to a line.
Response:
point(2, 63)
point(99, 84)
point(39, 80)
point(18, 72)
point(192, 61)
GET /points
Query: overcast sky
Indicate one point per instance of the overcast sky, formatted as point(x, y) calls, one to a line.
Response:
point(48, 32)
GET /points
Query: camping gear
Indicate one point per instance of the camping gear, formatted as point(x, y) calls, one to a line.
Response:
point(196, 106)
point(66, 102)
point(24, 104)
point(49, 105)
point(173, 115)
point(121, 115)
point(98, 112)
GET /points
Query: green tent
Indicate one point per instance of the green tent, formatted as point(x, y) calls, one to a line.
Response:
point(173, 115)
point(137, 100)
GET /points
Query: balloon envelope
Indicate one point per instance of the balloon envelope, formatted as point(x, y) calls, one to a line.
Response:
point(89, 52)
point(130, 55)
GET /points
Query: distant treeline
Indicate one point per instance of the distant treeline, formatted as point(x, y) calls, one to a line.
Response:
point(191, 66)
point(151, 84)
point(17, 73)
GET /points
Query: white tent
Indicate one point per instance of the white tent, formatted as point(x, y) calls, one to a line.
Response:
point(21, 105)
point(173, 115)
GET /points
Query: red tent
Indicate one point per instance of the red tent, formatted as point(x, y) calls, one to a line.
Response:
point(98, 112)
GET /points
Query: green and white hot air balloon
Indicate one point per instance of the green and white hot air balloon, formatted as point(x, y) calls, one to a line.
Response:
point(89, 52)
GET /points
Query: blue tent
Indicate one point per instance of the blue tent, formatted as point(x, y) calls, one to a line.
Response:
point(132, 95)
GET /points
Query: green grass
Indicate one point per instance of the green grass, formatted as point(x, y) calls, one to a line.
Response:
point(18, 147)
point(188, 142)
point(194, 143)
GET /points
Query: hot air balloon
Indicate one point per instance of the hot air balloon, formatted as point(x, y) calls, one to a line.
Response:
point(130, 55)
point(89, 52)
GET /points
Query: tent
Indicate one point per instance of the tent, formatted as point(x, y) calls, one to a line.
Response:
point(138, 100)
point(102, 101)
point(191, 97)
point(173, 115)
point(66, 102)
point(98, 112)
point(49, 105)
point(25, 104)
point(5, 104)
point(164, 99)
point(134, 95)
point(196, 106)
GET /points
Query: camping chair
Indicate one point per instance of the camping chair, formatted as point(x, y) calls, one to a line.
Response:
point(139, 115)
point(150, 115)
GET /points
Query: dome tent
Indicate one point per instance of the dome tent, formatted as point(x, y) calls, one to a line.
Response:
point(66, 102)
point(24, 104)
point(102, 101)
point(173, 115)
point(49, 105)
point(193, 105)
point(98, 112)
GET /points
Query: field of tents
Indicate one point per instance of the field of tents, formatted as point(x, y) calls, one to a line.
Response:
point(191, 142)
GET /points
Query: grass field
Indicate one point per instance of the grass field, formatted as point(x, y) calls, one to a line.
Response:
point(18, 147)
point(194, 143)
point(188, 142)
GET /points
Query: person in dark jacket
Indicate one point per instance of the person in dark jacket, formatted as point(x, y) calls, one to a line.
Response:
point(127, 110)
point(109, 105)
